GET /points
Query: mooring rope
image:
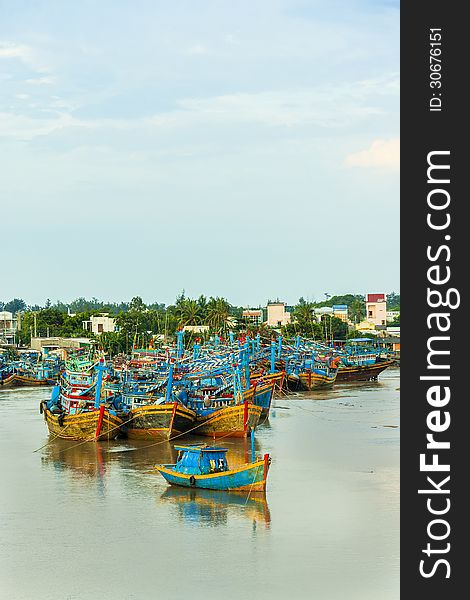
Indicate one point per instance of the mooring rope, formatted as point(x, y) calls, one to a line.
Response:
point(252, 483)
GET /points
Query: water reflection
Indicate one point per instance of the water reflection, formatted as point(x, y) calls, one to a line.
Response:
point(92, 464)
point(92, 460)
point(213, 508)
point(332, 521)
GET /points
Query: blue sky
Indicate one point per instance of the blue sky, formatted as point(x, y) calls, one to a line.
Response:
point(246, 149)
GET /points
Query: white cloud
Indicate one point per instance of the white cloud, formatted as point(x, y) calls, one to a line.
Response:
point(381, 153)
point(10, 50)
point(329, 106)
point(26, 128)
point(41, 80)
point(23, 53)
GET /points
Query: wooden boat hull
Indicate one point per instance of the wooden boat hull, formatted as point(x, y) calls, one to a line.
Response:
point(162, 421)
point(278, 378)
point(263, 396)
point(312, 381)
point(8, 381)
point(363, 372)
point(247, 478)
point(24, 380)
point(83, 426)
point(230, 421)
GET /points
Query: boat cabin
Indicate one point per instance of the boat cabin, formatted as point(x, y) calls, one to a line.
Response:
point(201, 460)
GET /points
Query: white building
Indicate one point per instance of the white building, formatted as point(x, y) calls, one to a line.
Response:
point(57, 344)
point(319, 313)
point(253, 315)
point(8, 327)
point(102, 323)
point(277, 314)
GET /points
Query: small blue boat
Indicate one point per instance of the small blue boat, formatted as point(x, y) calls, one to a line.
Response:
point(203, 466)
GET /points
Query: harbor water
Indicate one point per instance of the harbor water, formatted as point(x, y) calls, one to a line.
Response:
point(93, 521)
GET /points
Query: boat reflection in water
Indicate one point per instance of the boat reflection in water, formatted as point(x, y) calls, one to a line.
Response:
point(213, 508)
point(81, 460)
point(91, 464)
point(95, 460)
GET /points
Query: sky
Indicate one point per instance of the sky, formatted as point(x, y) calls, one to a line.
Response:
point(241, 149)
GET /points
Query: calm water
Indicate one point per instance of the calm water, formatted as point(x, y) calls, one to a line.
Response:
point(89, 522)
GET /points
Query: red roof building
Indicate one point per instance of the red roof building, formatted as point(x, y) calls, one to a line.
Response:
point(375, 298)
point(376, 309)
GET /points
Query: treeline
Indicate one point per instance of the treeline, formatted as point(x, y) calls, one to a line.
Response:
point(79, 305)
point(355, 303)
point(137, 323)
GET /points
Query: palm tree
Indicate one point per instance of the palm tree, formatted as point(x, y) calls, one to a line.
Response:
point(189, 312)
point(202, 302)
point(357, 311)
point(218, 313)
point(303, 314)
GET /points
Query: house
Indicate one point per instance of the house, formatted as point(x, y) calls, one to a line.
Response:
point(100, 324)
point(340, 311)
point(376, 309)
point(57, 344)
point(8, 327)
point(278, 314)
point(253, 315)
point(319, 313)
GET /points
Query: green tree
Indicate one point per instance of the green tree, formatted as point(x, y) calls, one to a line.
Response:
point(357, 311)
point(218, 314)
point(303, 318)
point(15, 305)
point(137, 304)
point(189, 312)
point(393, 301)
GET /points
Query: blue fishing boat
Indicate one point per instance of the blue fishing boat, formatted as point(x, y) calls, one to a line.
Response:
point(203, 466)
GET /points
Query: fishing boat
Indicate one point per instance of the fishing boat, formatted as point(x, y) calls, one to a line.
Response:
point(7, 378)
point(313, 374)
point(277, 378)
point(361, 361)
point(227, 419)
point(363, 372)
point(263, 394)
point(158, 419)
point(40, 374)
point(224, 406)
point(74, 414)
point(203, 466)
point(150, 415)
point(319, 375)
